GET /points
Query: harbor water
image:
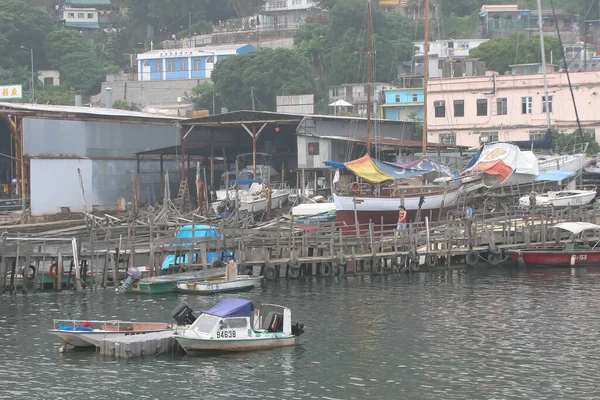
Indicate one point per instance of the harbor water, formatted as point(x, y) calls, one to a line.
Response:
point(487, 334)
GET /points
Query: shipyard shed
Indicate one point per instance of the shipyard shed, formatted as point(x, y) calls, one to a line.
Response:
point(77, 159)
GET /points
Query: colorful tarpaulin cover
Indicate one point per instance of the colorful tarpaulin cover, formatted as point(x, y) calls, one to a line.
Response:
point(504, 159)
point(555, 175)
point(232, 308)
point(366, 168)
point(376, 171)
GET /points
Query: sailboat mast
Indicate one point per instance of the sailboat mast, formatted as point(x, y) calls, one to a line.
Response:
point(369, 77)
point(425, 76)
point(539, 5)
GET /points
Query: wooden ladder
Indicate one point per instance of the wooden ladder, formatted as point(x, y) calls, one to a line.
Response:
point(183, 196)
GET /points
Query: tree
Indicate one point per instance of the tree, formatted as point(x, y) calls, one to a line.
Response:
point(58, 95)
point(75, 58)
point(500, 52)
point(21, 24)
point(125, 105)
point(270, 72)
point(202, 97)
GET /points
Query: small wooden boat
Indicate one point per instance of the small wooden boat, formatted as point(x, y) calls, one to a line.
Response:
point(88, 333)
point(562, 198)
point(573, 254)
point(232, 282)
point(234, 325)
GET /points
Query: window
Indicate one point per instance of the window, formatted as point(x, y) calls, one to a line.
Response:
point(71, 15)
point(589, 131)
point(90, 16)
point(209, 60)
point(440, 108)
point(440, 64)
point(502, 106)
point(526, 105)
point(482, 107)
point(146, 63)
point(205, 323)
point(335, 92)
point(459, 108)
point(183, 65)
point(158, 66)
point(397, 98)
point(197, 65)
point(236, 323)
point(537, 135)
point(80, 15)
point(170, 65)
point(415, 98)
point(488, 137)
point(448, 138)
point(48, 81)
point(550, 98)
point(313, 148)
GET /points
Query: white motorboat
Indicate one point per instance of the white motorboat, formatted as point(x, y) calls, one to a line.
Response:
point(235, 325)
point(232, 282)
point(561, 198)
point(88, 333)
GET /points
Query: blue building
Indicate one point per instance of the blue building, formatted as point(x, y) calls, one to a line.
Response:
point(186, 63)
point(402, 104)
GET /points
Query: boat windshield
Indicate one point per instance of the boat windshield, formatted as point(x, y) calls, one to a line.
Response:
point(205, 323)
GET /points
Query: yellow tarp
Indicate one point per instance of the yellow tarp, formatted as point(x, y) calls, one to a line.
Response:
point(365, 168)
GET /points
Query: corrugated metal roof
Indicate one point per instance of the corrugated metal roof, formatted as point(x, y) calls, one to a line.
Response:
point(95, 111)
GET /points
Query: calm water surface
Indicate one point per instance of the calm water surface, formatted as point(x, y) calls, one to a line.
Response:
point(497, 334)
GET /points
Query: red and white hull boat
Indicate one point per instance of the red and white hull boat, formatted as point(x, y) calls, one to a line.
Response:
point(436, 204)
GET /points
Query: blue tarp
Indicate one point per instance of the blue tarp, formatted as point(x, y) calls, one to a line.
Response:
point(232, 308)
point(402, 171)
point(189, 231)
point(335, 164)
point(555, 175)
point(474, 159)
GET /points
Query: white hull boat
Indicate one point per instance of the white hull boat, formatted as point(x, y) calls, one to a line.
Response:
point(80, 333)
point(252, 201)
point(563, 198)
point(232, 282)
point(234, 325)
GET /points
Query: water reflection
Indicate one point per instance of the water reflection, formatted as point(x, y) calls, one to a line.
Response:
point(495, 333)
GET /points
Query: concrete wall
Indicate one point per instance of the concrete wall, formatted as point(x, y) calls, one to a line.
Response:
point(144, 93)
point(55, 184)
point(317, 161)
point(358, 128)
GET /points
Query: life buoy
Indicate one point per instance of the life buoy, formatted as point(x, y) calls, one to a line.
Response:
point(53, 271)
point(377, 267)
point(472, 258)
point(431, 260)
point(339, 270)
point(495, 258)
point(355, 187)
point(325, 269)
point(270, 273)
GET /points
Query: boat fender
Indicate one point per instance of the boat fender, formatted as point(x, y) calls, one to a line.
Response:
point(294, 265)
point(270, 273)
point(399, 262)
point(30, 275)
point(338, 270)
point(53, 271)
point(573, 258)
point(325, 269)
point(472, 258)
point(343, 261)
point(414, 261)
point(293, 272)
point(377, 267)
point(495, 258)
point(355, 187)
point(217, 264)
point(431, 260)
point(520, 261)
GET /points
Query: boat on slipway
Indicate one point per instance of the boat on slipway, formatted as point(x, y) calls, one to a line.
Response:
point(574, 253)
point(560, 198)
point(235, 325)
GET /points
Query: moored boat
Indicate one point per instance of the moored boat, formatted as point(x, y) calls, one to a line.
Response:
point(573, 254)
point(561, 198)
point(232, 282)
point(235, 325)
point(89, 333)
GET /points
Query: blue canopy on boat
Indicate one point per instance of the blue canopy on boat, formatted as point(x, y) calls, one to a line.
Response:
point(189, 231)
point(232, 308)
point(555, 175)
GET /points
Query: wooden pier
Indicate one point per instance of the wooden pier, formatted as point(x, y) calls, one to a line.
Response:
point(39, 257)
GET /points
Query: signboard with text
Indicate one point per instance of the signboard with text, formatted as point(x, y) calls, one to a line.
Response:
point(11, 92)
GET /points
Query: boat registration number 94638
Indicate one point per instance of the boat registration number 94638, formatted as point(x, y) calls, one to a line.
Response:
point(225, 334)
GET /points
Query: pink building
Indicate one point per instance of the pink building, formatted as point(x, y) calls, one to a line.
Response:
point(473, 110)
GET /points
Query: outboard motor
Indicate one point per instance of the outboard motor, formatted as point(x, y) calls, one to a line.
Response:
point(133, 275)
point(183, 314)
point(297, 329)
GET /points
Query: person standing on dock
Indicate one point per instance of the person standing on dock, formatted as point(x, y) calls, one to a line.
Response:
point(470, 220)
point(402, 225)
